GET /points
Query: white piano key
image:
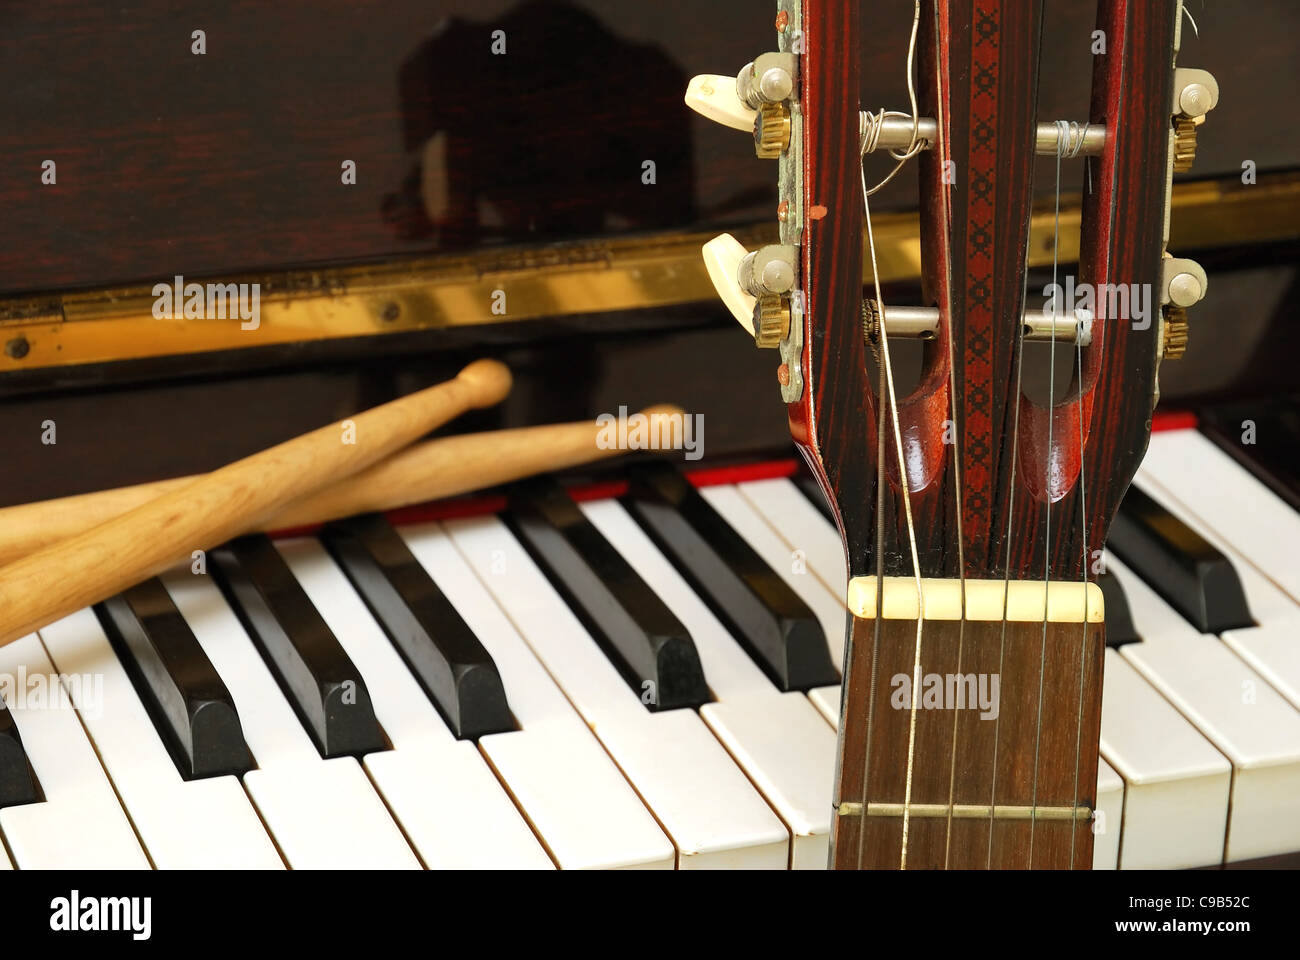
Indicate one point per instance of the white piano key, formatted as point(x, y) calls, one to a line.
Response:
point(80, 825)
point(1273, 650)
point(1260, 525)
point(804, 529)
point(574, 795)
point(827, 702)
point(1241, 715)
point(707, 806)
point(789, 566)
point(1176, 805)
point(1273, 647)
point(778, 739)
point(323, 814)
point(440, 789)
point(199, 824)
point(1109, 817)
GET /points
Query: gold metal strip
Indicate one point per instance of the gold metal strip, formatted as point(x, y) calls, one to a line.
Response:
point(569, 279)
point(967, 811)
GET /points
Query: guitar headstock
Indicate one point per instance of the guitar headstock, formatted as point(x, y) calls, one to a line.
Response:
point(1002, 483)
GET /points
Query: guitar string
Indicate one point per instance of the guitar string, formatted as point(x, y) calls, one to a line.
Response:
point(871, 124)
point(868, 131)
point(905, 480)
point(911, 533)
point(875, 629)
point(1083, 526)
point(1062, 142)
point(876, 625)
point(946, 198)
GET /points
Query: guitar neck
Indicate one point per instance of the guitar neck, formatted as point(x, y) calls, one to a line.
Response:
point(986, 756)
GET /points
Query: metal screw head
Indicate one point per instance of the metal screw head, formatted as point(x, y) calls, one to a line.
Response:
point(1185, 290)
point(778, 276)
point(783, 375)
point(782, 21)
point(17, 348)
point(776, 84)
point(783, 211)
point(1195, 100)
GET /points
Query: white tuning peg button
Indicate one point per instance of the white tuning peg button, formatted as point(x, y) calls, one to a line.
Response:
point(715, 97)
point(722, 256)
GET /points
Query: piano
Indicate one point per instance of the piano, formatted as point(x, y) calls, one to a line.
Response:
point(287, 710)
point(633, 665)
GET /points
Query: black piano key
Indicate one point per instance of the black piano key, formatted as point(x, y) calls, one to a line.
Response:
point(313, 670)
point(1179, 564)
point(639, 634)
point(17, 782)
point(1119, 619)
point(778, 630)
point(1273, 456)
point(451, 664)
point(181, 690)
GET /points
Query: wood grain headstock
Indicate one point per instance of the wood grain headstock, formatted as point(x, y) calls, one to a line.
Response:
point(1029, 472)
point(973, 510)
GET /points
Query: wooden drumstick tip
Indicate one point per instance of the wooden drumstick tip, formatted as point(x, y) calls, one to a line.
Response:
point(488, 380)
point(663, 410)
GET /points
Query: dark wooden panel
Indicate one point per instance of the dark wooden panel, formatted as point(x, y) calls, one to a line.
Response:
point(171, 162)
point(230, 161)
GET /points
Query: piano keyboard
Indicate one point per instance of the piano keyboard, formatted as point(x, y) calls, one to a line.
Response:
point(645, 681)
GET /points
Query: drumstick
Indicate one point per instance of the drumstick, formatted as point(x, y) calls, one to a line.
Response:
point(99, 562)
point(425, 471)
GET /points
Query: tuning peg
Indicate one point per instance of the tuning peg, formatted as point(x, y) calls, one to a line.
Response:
point(1196, 92)
point(722, 257)
point(1184, 284)
point(714, 97)
point(1173, 335)
point(1183, 281)
point(755, 100)
point(754, 286)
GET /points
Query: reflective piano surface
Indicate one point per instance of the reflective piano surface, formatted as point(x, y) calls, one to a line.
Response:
point(329, 701)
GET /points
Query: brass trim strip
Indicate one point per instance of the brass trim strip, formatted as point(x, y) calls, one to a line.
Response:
point(967, 811)
point(570, 279)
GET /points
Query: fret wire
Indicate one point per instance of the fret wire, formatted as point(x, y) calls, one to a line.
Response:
point(966, 811)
